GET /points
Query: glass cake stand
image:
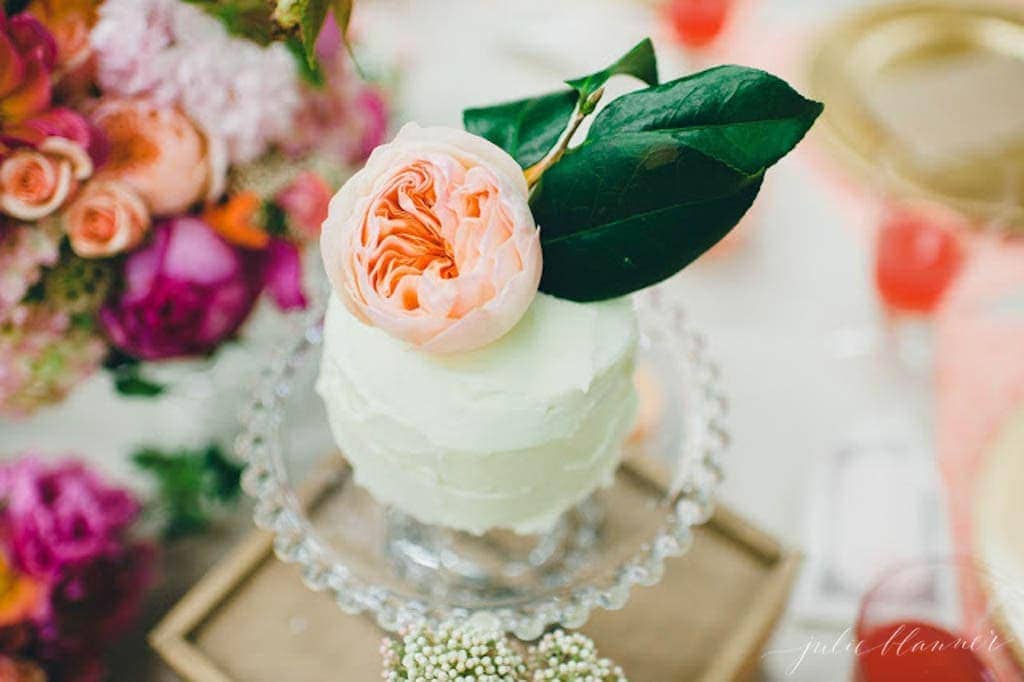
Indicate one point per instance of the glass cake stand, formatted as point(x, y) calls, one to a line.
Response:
point(373, 559)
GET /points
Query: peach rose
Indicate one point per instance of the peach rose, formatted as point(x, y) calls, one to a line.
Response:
point(156, 151)
point(433, 240)
point(35, 182)
point(105, 219)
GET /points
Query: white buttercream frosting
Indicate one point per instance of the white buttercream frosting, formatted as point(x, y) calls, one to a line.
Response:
point(506, 436)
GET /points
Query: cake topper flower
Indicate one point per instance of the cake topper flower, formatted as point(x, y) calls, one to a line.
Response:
point(433, 241)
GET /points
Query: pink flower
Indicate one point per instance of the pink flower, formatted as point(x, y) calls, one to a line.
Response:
point(70, 22)
point(92, 604)
point(184, 293)
point(156, 151)
point(35, 183)
point(43, 355)
point(282, 275)
point(24, 251)
point(345, 118)
point(28, 54)
point(105, 219)
point(433, 241)
point(305, 202)
point(61, 514)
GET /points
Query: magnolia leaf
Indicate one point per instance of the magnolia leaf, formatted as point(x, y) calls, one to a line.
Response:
point(526, 128)
point(663, 175)
point(639, 62)
point(529, 128)
point(744, 117)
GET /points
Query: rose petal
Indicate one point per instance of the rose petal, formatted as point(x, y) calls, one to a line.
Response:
point(196, 253)
point(283, 275)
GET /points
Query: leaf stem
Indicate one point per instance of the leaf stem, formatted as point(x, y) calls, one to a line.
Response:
point(585, 108)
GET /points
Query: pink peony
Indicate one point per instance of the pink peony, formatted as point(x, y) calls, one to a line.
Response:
point(58, 515)
point(91, 605)
point(185, 293)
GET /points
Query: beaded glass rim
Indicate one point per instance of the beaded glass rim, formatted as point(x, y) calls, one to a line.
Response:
point(689, 504)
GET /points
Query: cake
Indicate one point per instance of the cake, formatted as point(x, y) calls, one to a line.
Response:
point(480, 342)
point(508, 436)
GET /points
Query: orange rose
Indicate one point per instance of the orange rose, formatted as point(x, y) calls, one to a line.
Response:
point(158, 152)
point(21, 597)
point(107, 218)
point(35, 182)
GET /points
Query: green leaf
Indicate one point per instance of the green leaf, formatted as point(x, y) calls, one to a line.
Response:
point(250, 19)
point(639, 62)
point(314, 13)
point(620, 214)
point(744, 117)
point(191, 485)
point(312, 74)
point(663, 175)
point(128, 379)
point(526, 128)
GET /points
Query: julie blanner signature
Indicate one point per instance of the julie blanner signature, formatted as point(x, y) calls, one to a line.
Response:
point(905, 640)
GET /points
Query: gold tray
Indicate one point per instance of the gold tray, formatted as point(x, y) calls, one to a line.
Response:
point(250, 619)
point(926, 99)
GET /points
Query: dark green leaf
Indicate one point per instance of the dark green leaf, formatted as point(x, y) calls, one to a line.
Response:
point(128, 379)
point(663, 175)
point(743, 117)
point(314, 13)
point(639, 62)
point(620, 214)
point(528, 128)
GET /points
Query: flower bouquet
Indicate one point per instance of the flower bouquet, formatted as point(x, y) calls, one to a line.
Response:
point(72, 576)
point(162, 164)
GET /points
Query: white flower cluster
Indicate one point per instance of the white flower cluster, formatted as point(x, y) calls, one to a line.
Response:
point(471, 656)
point(571, 657)
point(243, 95)
point(425, 656)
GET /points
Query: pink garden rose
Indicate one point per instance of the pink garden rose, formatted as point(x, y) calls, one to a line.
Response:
point(433, 240)
point(157, 151)
point(105, 219)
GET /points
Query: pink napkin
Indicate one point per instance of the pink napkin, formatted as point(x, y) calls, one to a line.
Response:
point(979, 382)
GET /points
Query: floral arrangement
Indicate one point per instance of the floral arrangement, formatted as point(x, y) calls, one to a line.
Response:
point(160, 169)
point(72, 576)
point(455, 654)
point(445, 237)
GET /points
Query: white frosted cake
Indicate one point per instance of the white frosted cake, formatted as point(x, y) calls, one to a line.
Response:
point(509, 435)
